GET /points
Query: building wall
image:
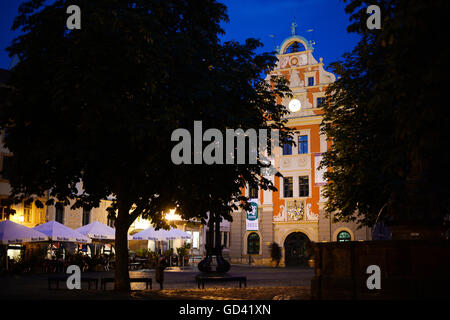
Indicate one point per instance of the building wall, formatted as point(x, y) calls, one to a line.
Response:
point(326, 225)
point(282, 216)
point(73, 218)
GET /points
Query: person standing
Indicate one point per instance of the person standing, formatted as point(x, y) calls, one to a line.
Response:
point(161, 264)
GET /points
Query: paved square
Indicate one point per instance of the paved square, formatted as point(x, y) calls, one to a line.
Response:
point(262, 283)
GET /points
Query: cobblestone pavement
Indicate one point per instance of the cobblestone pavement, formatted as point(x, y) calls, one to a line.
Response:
point(262, 283)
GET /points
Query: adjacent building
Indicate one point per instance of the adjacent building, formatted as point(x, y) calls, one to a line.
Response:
point(294, 215)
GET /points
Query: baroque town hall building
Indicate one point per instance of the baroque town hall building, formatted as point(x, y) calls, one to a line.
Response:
point(293, 215)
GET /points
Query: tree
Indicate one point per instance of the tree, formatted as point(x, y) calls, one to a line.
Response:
point(96, 107)
point(387, 119)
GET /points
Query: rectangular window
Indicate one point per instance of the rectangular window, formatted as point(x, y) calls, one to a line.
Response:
point(86, 216)
point(59, 215)
point(288, 187)
point(196, 239)
point(303, 186)
point(319, 101)
point(27, 212)
point(303, 144)
point(253, 192)
point(310, 81)
point(287, 148)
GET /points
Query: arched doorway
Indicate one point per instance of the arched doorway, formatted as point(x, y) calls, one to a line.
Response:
point(296, 252)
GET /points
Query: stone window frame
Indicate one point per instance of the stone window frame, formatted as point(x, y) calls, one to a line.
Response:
point(316, 95)
point(309, 185)
point(247, 234)
point(338, 230)
point(310, 74)
point(282, 187)
point(298, 133)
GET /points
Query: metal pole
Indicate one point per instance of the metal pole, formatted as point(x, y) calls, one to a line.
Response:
point(242, 237)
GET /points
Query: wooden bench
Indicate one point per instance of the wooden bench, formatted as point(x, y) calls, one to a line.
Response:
point(57, 279)
point(148, 281)
point(202, 279)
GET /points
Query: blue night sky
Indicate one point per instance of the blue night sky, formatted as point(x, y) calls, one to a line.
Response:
point(255, 19)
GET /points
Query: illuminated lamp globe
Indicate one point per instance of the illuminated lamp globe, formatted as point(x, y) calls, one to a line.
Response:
point(294, 105)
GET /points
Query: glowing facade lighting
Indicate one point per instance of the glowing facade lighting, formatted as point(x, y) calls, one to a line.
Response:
point(171, 216)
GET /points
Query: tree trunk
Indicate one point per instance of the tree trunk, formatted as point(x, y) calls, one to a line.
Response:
point(122, 276)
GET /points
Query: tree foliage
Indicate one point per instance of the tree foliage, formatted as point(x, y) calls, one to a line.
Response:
point(387, 118)
point(98, 106)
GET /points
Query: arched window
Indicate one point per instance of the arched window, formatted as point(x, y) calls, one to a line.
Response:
point(344, 236)
point(253, 243)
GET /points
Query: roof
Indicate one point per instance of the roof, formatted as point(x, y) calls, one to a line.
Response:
point(4, 75)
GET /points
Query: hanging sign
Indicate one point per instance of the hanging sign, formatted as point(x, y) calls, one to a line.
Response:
point(252, 217)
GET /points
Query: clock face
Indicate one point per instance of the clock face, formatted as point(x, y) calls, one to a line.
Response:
point(294, 105)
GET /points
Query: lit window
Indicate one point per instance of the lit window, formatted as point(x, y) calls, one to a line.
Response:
point(27, 212)
point(344, 236)
point(196, 239)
